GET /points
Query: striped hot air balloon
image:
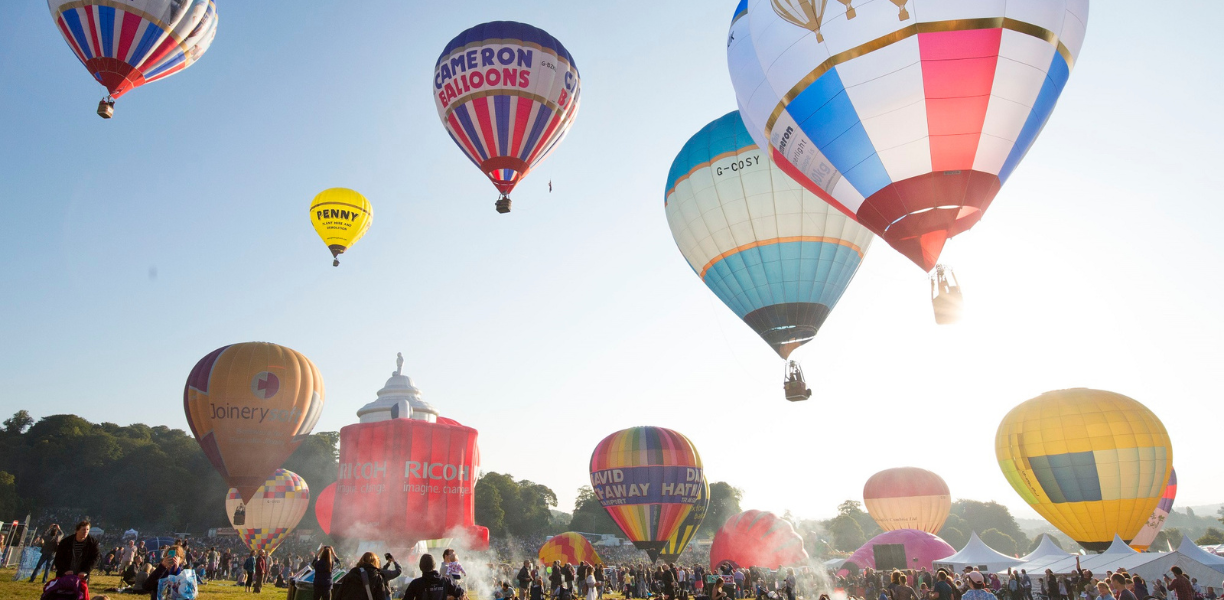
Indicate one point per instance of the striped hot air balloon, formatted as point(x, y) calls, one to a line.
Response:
point(1095, 464)
point(569, 548)
point(507, 94)
point(908, 115)
point(127, 43)
point(776, 254)
point(649, 479)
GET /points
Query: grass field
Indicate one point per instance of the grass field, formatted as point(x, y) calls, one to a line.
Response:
point(99, 584)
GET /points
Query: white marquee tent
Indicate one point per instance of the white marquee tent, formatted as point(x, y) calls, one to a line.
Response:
point(977, 554)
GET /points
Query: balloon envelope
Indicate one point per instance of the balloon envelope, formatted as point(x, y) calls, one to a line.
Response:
point(569, 548)
point(1156, 522)
point(507, 94)
point(268, 518)
point(757, 538)
point(907, 115)
point(1093, 463)
point(250, 405)
point(404, 480)
point(128, 43)
point(323, 508)
point(340, 216)
point(648, 479)
point(774, 253)
point(907, 498)
point(921, 548)
point(684, 534)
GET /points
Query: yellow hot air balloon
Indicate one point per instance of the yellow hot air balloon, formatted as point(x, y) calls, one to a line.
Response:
point(340, 216)
point(1093, 463)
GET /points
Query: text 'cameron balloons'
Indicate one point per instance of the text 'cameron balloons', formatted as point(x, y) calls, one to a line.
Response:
point(507, 94)
point(1095, 464)
point(1156, 522)
point(340, 216)
point(907, 498)
point(268, 518)
point(569, 548)
point(688, 528)
point(406, 480)
point(756, 538)
point(908, 115)
point(774, 253)
point(127, 43)
point(648, 479)
point(249, 406)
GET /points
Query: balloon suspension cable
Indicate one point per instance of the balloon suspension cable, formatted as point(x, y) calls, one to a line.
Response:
point(503, 204)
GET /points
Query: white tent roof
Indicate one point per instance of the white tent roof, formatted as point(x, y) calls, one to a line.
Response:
point(1045, 550)
point(977, 554)
point(1191, 550)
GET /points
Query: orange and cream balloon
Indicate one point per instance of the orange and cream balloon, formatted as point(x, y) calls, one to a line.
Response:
point(907, 498)
point(249, 406)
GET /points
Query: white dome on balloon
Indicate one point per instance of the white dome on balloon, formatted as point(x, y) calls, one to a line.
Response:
point(398, 399)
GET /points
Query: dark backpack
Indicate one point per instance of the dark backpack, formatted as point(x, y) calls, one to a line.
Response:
point(68, 587)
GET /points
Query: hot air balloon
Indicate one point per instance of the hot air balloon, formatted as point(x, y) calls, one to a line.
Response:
point(907, 115)
point(268, 518)
point(569, 548)
point(127, 43)
point(1093, 463)
point(756, 538)
point(684, 534)
point(340, 216)
point(323, 508)
point(774, 253)
point(1156, 522)
point(249, 406)
point(507, 94)
point(907, 498)
point(648, 479)
point(921, 549)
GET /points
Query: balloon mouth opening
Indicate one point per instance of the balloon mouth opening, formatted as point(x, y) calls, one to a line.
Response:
point(336, 250)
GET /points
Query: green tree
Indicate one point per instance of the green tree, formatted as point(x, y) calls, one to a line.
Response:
point(525, 507)
point(1212, 537)
point(980, 516)
point(590, 516)
point(1173, 536)
point(854, 510)
point(847, 534)
point(489, 512)
point(18, 423)
point(724, 503)
point(1000, 541)
point(955, 537)
point(11, 505)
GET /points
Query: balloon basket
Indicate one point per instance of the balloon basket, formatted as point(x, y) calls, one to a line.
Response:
point(946, 297)
point(106, 107)
point(503, 205)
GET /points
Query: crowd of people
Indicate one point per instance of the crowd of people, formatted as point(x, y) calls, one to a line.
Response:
point(141, 564)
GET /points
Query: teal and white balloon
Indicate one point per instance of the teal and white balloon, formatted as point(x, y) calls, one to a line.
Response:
point(773, 252)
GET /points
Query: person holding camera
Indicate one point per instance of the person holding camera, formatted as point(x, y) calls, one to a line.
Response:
point(390, 571)
point(324, 564)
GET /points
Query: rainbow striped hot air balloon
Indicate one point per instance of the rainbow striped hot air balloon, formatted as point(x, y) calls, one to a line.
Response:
point(1093, 463)
point(507, 94)
point(648, 479)
point(684, 534)
point(268, 518)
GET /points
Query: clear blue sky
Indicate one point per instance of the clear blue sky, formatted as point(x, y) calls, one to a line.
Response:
point(1098, 265)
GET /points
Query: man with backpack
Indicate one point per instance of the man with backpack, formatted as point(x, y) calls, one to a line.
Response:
point(76, 554)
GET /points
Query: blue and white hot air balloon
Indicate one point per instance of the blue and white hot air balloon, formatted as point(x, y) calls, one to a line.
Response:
point(772, 251)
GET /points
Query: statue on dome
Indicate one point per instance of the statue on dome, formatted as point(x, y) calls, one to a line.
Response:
point(399, 363)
